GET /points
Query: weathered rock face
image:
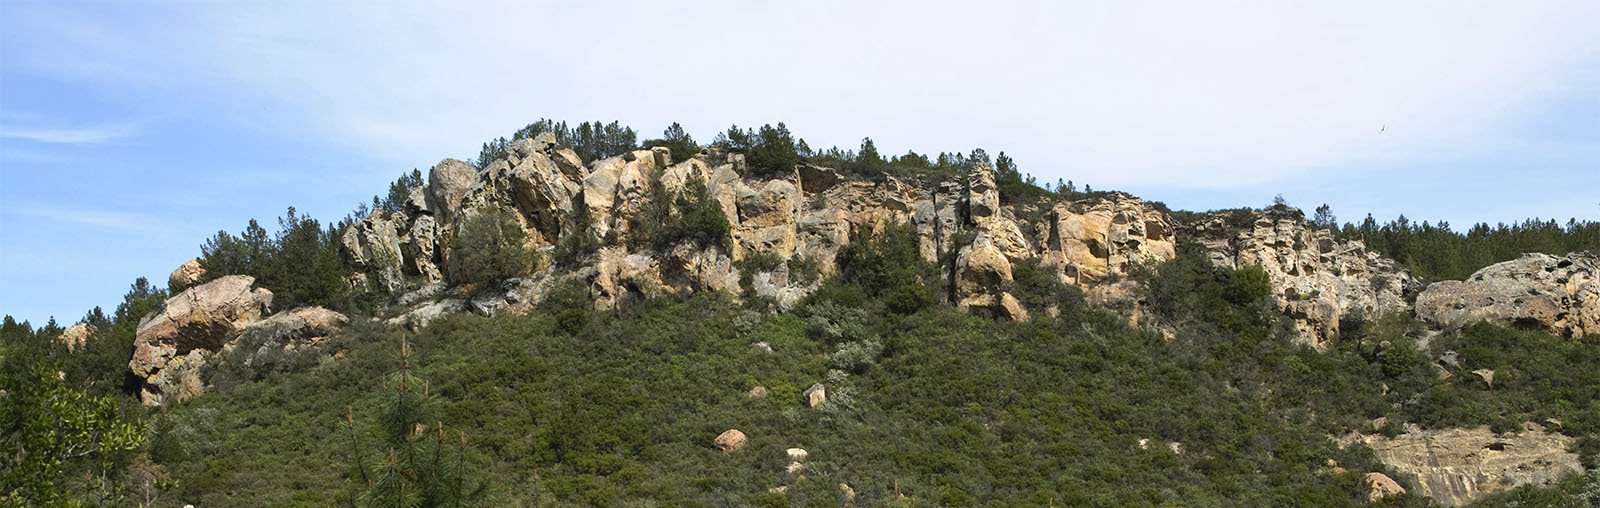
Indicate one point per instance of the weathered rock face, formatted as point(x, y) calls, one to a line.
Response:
point(187, 274)
point(1090, 241)
point(1559, 294)
point(811, 214)
point(1458, 466)
point(1316, 279)
point(449, 182)
point(201, 318)
point(984, 279)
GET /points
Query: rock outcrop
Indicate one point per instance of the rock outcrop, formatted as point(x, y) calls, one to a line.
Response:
point(1458, 466)
point(1558, 294)
point(1317, 279)
point(1091, 241)
point(169, 345)
point(808, 216)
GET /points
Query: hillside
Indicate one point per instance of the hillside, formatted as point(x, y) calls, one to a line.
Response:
point(571, 319)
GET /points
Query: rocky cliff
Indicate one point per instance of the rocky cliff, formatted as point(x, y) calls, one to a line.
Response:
point(811, 212)
point(1317, 280)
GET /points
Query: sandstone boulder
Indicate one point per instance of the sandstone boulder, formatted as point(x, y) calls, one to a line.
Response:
point(187, 274)
point(1380, 486)
point(730, 440)
point(201, 318)
point(815, 396)
point(983, 277)
point(1558, 294)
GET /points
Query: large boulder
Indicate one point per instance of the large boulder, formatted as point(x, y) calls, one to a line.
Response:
point(187, 274)
point(201, 318)
point(449, 183)
point(1317, 279)
point(1559, 294)
point(983, 279)
point(264, 343)
point(542, 191)
point(1457, 466)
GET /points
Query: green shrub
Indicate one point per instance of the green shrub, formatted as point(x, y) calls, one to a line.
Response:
point(490, 247)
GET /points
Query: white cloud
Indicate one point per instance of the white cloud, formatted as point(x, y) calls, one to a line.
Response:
point(1125, 93)
point(65, 136)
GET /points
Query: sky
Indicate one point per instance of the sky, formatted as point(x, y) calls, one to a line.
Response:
point(130, 132)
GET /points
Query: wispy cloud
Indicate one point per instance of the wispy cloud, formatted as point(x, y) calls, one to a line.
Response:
point(67, 136)
point(113, 220)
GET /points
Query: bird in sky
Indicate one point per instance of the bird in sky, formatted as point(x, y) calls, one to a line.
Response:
point(1384, 128)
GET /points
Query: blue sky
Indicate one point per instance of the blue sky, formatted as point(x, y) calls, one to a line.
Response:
point(131, 132)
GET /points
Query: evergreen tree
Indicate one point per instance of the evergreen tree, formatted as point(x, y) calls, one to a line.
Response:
point(418, 462)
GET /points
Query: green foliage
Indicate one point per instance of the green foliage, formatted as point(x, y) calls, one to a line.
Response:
point(301, 264)
point(1038, 287)
point(578, 240)
point(1437, 252)
point(679, 142)
point(60, 445)
point(590, 140)
point(399, 192)
point(100, 365)
point(889, 268)
point(769, 151)
point(490, 247)
point(691, 216)
point(1235, 302)
point(418, 462)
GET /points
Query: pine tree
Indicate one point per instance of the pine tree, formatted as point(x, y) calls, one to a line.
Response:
point(416, 465)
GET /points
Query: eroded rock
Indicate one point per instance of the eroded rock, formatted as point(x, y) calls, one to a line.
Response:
point(1558, 294)
point(1458, 466)
point(201, 318)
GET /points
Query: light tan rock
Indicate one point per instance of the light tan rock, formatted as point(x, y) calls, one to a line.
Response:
point(1094, 240)
point(203, 317)
point(757, 392)
point(730, 440)
point(1486, 375)
point(796, 454)
point(1457, 466)
point(1316, 279)
point(187, 274)
point(983, 277)
point(1380, 486)
point(75, 336)
point(421, 249)
point(815, 396)
point(767, 220)
point(983, 196)
point(541, 190)
point(1558, 294)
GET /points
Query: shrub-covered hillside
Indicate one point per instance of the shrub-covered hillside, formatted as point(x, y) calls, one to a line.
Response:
point(925, 406)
